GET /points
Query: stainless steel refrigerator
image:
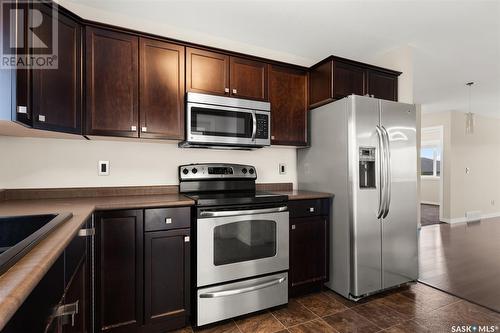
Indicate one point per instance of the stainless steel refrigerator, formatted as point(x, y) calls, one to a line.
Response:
point(364, 151)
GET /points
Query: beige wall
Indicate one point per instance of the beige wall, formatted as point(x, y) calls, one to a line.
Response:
point(480, 189)
point(41, 162)
point(429, 190)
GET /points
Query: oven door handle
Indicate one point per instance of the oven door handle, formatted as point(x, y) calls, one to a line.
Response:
point(208, 213)
point(231, 292)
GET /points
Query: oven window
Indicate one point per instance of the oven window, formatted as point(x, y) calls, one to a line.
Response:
point(244, 241)
point(221, 123)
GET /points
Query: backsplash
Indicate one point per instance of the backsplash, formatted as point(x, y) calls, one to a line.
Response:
point(56, 163)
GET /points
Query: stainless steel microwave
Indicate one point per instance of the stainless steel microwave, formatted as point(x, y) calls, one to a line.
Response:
point(217, 121)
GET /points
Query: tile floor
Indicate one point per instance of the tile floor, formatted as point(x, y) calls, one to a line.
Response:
point(413, 309)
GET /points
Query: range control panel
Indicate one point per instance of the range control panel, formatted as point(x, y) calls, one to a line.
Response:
point(216, 171)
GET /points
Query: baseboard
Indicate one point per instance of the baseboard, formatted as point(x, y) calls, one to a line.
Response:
point(464, 219)
point(430, 203)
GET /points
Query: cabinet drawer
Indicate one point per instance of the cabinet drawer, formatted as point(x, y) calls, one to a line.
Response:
point(304, 208)
point(167, 218)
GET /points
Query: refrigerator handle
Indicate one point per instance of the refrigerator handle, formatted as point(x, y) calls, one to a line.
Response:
point(381, 158)
point(388, 177)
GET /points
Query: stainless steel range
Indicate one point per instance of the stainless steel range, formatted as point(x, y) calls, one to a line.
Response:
point(241, 241)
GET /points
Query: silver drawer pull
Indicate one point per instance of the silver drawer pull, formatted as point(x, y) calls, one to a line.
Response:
point(144, 129)
point(168, 220)
point(22, 109)
point(231, 292)
point(133, 128)
point(186, 239)
point(311, 209)
point(41, 118)
point(242, 212)
point(235, 91)
point(293, 227)
point(86, 232)
point(226, 90)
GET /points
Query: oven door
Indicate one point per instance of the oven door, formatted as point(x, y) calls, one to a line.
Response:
point(207, 124)
point(239, 244)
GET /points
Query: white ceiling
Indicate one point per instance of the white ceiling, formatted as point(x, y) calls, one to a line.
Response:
point(453, 41)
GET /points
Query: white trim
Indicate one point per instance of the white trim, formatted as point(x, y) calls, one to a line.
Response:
point(430, 203)
point(430, 129)
point(427, 177)
point(464, 219)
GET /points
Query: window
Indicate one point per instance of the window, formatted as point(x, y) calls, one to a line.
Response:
point(430, 161)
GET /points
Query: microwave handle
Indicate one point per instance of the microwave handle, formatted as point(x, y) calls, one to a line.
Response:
point(254, 128)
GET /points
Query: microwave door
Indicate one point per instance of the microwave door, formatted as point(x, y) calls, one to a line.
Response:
point(220, 125)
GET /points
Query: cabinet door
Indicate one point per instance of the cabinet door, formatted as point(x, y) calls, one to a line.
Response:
point(248, 79)
point(57, 92)
point(161, 101)
point(111, 83)
point(167, 278)
point(308, 250)
point(321, 84)
point(288, 97)
point(348, 79)
point(382, 85)
point(78, 292)
point(119, 270)
point(207, 72)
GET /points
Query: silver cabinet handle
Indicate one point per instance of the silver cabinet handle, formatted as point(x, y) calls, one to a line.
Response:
point(22, 109)
point(144, 129)
point(381, 158)
point(388, 177)
point(186, 239)
point(67, 310)
point(86, 232)
point(231, 292)
point(235, 91)
point(242, 212)
point(293, 226)
point(226, 90)
point(133, 128)
point(41, 118)
point(311, 209)
point(254, 127)
point(168, 220)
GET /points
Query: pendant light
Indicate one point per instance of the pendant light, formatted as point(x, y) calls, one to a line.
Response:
point(469, 116)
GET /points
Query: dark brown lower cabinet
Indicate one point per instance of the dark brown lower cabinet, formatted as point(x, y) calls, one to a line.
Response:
point(142, 278)
point(309, 248)
point(66, 283)
point(119, 270)
point(167, 279)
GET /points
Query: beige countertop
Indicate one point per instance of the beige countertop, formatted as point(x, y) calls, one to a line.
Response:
point(18, 282)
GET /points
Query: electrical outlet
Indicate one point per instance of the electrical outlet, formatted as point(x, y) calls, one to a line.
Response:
point(103, 168)
point(282, 169)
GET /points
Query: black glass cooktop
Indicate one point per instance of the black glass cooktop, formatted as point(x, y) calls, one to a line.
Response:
point(235, 198)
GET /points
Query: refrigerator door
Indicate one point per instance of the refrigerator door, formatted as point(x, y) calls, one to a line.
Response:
point(364, 117)
point(399, 227)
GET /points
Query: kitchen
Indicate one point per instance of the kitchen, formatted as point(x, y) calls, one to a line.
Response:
point(154, 232)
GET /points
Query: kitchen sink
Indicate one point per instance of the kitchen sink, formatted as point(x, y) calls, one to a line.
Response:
point(19, 234)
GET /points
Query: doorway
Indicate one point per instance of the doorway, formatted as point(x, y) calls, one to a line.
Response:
point(431, 175)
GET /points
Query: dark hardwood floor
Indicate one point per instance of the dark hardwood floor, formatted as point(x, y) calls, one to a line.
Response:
point(410, 309)
point(464, 260)
point(429, 214)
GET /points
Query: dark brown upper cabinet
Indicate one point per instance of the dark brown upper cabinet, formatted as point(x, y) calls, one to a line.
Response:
point(335, 78)
point(207, 72)
point(382, 85)
point(112, 85)
point(288, 97)
point(248, 78)
point(219, 74)
point(348, 79)
point(50, 98)
point(321, 84)
point(161, 101)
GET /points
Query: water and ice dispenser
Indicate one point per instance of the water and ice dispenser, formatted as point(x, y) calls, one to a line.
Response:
point(367, 167)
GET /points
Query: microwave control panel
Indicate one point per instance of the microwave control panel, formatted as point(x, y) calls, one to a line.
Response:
point(262, 126)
